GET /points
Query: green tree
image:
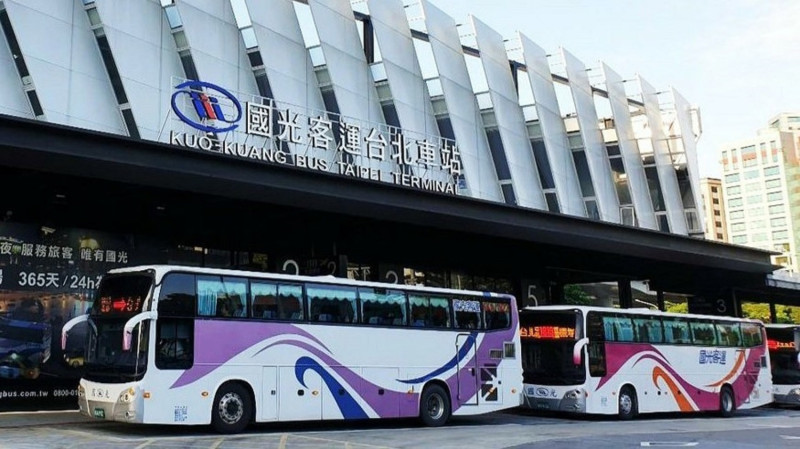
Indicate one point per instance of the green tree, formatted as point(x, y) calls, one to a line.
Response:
point(677, 307)
point(574, 295)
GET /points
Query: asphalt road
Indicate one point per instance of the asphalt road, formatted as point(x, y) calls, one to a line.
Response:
point(761, 428)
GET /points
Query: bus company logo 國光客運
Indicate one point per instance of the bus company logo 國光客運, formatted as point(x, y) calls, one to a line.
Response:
point(207, 107)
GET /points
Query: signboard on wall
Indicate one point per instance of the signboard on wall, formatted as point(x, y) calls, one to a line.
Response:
point(48, 276)
point(212, 119)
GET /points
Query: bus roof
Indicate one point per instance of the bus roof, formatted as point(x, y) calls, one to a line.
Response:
point(161, 270)
point(637, 311)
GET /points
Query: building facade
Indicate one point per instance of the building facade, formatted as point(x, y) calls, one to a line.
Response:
point(714, 209)
point(761, 182)
point(380, 90)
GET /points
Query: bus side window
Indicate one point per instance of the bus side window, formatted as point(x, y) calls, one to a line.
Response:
point(496, 315)
point(174, 343)
point(467, 313)
point(597, 347)
point(676, 331)
point(331, 303)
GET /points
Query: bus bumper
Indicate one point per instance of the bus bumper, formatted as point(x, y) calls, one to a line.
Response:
point(789, 397)
point(542, 398)
point(125, 406)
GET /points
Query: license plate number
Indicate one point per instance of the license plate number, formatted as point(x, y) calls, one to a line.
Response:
point(542, 405)
point(99, 413)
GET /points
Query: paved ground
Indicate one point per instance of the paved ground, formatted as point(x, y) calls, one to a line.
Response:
point(762, 428)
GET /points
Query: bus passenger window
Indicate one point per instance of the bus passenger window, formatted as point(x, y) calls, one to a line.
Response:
point(467, 313)
point(496, 315)
point(331, 303)
point(440, 312)
point(383, 307)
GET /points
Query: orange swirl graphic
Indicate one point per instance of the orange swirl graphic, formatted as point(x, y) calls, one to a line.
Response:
point(734, 370)
point(683, 403)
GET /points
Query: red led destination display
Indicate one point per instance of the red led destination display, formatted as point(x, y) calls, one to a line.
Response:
point(547, 332)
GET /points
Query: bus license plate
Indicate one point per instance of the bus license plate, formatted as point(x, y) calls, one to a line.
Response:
point(542, 405)
point(99, 413)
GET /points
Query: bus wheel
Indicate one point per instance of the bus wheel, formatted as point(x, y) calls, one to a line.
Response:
point(434, 407)
point(727, 403)
point(628, 407)
point(231, 410)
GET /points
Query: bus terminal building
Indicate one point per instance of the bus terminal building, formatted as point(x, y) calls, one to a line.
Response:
point(378, 141)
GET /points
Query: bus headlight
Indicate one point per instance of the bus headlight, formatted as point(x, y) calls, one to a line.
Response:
point(127, 396)
point(794, 392)
point(574, 394)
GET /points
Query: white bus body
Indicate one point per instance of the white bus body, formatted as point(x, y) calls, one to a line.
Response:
point(782, 340)
point(283, 359)
point(628, 361)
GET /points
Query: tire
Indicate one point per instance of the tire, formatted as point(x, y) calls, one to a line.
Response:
point(434, 406)
point(727, 402)
point(232, 409)
point(628, 406)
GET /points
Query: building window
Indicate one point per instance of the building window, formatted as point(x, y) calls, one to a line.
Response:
point(753, 199)
point(780, 235)
point(776, 209)
point(760, 237)
point(737, 227)
point(715, 201)
point(740, 239)
point(751, 174)
point(719, 236)
point(737, 214)
point(773, 183)
point(776, 222)
point(735, 202)
point(717, 213)
point(713, 190)
point(774, 196)
point(734, 177)
point(771, 171)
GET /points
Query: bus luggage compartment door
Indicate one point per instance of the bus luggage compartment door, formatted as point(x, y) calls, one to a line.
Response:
point(467, 365)
point(268, 411)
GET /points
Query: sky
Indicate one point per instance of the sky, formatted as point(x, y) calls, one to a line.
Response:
point(737, 60)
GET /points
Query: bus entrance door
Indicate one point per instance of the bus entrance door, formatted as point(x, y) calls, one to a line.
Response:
point(467, 364)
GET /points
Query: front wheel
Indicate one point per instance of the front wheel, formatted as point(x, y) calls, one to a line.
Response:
point(232, 409)
point(434, 406)
point(628, 408)
point(727, 403)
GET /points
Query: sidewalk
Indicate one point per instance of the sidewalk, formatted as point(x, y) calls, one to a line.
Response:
point(45, 418)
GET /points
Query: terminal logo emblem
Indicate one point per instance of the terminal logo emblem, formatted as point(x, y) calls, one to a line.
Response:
point(208, 101)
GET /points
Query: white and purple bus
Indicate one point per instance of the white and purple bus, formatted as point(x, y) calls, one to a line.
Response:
point(629, 361)
point(186, 345)
point(783, 341)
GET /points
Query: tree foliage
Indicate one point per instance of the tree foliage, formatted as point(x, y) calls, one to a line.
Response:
point(576, 296)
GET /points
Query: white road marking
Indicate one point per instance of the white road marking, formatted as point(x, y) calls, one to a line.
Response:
point(668, 443)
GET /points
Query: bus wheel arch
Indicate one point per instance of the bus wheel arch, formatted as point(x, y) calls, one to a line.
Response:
point(435, 406)
point(233, 407)
point(727, 401)
point(627, 403)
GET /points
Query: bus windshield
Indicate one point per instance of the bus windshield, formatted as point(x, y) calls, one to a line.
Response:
point(119, 298)
point(782, 352)
point(548, 339)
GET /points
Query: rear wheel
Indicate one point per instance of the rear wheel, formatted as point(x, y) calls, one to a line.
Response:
point(434, 406)
point(232, 409)
point(727, 403)
point(628, 407)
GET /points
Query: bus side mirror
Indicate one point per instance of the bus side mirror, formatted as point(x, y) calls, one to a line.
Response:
point(127, 333)
point(576, 350)
point(68, 326)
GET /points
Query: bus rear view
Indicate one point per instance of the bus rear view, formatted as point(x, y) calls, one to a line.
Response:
point(782, 340)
